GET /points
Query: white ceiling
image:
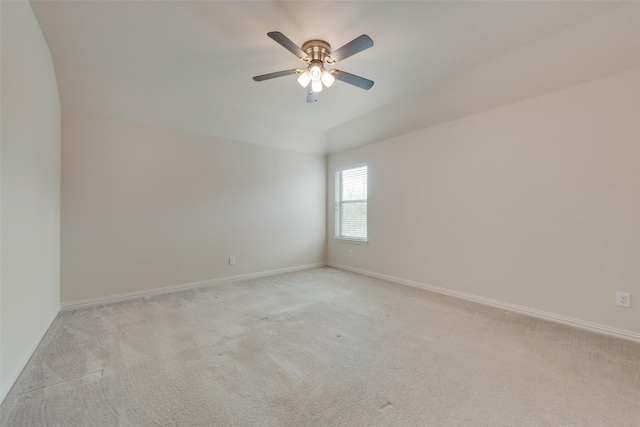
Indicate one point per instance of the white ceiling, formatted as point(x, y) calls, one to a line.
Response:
point(189, 65)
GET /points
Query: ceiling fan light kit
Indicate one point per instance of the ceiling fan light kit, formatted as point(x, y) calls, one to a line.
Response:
point(317, 54)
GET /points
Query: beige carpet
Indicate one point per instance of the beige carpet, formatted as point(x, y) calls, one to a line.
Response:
point(321, 347)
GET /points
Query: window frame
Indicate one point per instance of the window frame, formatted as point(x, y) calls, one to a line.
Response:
point(339, 202)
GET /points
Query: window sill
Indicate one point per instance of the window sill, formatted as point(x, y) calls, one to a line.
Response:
point(354, 241)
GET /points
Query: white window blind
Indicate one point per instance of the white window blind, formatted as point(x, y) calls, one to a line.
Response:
point(351, 203)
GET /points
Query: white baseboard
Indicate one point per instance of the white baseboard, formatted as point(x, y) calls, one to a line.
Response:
point(174, 288)
point(25, 359)
point(594, 327)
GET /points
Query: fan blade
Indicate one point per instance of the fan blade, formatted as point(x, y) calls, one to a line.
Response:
point(352, 79)
point(312, 97)
point(287, 44)
point(274, 75)
point(354, 46)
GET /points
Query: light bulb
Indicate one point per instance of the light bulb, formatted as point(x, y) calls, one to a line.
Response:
point(304, 79)
point(327, 78)
point(316, 86)
point(315, 73)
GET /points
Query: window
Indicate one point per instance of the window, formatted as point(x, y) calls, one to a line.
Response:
point(351, 203)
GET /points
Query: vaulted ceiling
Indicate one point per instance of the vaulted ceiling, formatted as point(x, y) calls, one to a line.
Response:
point(189, 65)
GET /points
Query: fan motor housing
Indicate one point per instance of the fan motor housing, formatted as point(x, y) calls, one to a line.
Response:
point(317, 50)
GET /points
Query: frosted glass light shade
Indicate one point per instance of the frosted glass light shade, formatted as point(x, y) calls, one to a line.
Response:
point(304, 79)
point(315, 73)
point(327, 78)
point(316, 86)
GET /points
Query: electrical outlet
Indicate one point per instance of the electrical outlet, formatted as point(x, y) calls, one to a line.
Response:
point(232, 260)
point(623, 299)
point(350, 252)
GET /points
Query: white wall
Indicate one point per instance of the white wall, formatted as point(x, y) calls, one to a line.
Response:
point(535, 204)
point(30, 190)
point(145, 207)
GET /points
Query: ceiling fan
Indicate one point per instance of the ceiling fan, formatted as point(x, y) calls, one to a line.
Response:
point(317, 54)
